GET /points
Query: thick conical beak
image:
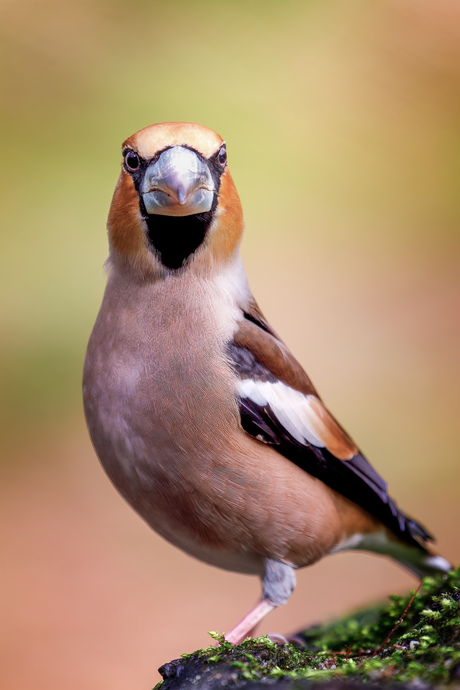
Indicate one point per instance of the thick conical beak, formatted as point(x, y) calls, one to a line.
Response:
point(179, 183)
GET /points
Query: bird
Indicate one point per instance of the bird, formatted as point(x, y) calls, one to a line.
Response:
point(200, 415)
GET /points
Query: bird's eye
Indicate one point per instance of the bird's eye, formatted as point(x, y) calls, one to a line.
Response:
point(132, 161)
point(222, 155)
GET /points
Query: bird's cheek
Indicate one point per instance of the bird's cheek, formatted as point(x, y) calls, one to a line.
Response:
point(229, 217)
point(125, 225)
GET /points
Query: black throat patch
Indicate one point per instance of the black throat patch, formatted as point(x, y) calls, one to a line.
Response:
point(174, 239)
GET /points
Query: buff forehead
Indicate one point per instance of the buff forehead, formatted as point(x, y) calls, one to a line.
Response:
point(148, 141)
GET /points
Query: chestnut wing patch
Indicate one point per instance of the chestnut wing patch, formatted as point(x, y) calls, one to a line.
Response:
point(297, 424)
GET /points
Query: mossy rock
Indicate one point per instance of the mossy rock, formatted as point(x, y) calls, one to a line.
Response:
point(411, 641)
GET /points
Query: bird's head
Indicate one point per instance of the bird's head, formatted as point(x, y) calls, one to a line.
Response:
point(175, 202)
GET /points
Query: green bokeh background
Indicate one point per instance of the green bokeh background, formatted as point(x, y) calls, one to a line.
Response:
point(341, 119)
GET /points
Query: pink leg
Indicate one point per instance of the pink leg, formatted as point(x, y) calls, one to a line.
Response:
point(252, 632)
point(243, 629)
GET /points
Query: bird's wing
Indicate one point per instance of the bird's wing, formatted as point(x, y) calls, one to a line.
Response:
point(279, 406)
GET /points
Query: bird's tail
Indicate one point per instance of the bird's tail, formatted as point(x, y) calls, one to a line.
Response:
point(417, 558)
point(422, 563)
point(411, 547)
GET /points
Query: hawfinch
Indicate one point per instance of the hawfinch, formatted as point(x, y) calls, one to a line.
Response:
point(201, 416)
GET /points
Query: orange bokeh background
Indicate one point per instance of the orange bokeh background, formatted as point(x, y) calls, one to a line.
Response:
point(342, 124)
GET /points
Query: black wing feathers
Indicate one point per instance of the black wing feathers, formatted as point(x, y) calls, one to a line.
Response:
point(355, 478)
point(345, 477)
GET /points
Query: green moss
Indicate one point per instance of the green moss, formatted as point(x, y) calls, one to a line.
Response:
point(424, 645)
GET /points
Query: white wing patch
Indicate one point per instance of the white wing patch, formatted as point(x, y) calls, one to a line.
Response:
point(295, 411)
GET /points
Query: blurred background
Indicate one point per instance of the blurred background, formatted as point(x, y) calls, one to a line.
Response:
point(342, 124)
